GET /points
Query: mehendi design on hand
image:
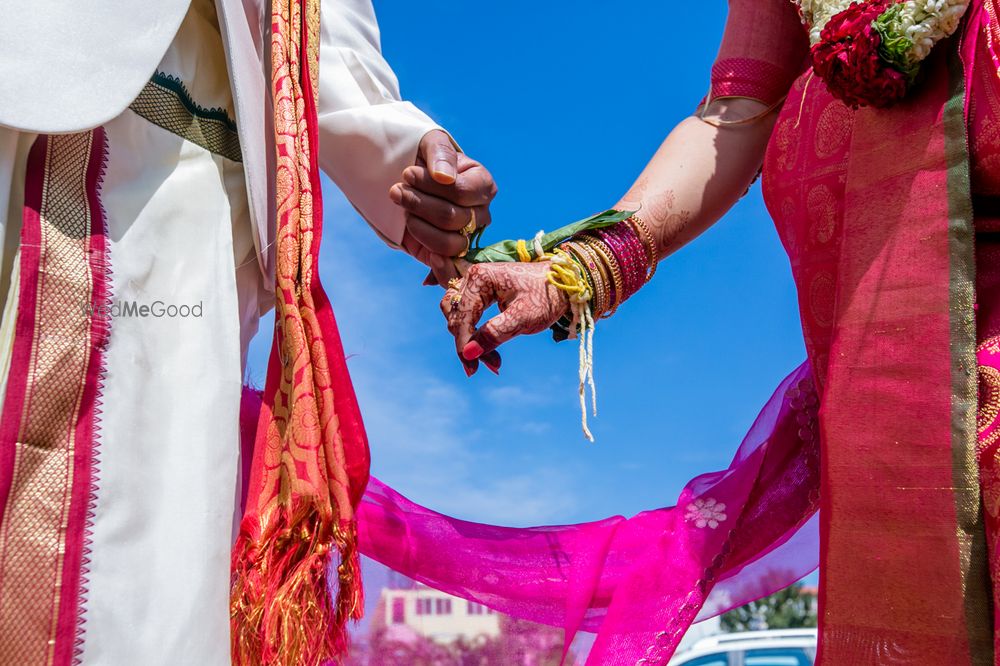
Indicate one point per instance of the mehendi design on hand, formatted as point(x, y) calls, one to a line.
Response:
point(666, 224)
point(660, 206)
point(638, 189)
point(528, 304)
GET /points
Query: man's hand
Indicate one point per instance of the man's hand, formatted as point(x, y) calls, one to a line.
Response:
point(442, 193)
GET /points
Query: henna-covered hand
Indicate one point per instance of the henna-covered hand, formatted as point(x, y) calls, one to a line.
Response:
point(528, 304)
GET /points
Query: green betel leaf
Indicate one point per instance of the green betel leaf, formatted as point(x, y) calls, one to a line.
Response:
point(507, 250)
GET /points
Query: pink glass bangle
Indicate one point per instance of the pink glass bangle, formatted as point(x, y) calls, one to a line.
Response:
point(625, 261)
point(629, 237)
point(625, 244)
point(632, 245)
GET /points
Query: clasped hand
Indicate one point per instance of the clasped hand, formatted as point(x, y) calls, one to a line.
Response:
point(442, 193)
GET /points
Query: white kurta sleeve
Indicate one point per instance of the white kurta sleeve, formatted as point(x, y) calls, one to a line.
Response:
point(368, 135)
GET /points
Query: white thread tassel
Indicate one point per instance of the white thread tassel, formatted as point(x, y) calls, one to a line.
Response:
point(581, 326)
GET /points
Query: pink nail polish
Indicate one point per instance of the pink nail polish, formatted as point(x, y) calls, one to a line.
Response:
point(472, 350)
point(492, 361)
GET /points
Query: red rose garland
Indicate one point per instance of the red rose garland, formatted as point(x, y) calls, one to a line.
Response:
point(869, 51)
point(847, 58)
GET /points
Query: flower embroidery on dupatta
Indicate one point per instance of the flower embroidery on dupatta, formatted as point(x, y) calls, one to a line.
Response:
point(803, 399)
point(706, 512)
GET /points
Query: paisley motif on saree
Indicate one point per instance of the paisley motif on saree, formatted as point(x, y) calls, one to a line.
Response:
point(311, 458)
point(874, 209)
point(51, 409)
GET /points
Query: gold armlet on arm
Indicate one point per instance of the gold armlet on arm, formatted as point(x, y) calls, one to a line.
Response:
point(723, 122)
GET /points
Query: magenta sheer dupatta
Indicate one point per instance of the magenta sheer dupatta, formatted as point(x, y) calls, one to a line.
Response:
point(734, 535)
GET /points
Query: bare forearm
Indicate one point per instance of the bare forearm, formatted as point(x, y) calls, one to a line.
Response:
point(699, 172)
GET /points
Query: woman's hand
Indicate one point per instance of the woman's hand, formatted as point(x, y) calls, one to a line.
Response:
point(528, 304)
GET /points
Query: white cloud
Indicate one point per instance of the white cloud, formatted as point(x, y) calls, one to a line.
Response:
point(428, 440)
point(518, 396)
point(534, 427)
point(423, 445)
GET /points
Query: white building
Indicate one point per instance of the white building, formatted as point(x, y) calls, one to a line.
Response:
point(438, 616)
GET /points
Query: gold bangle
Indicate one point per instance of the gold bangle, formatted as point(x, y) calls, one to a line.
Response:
point(595, 273)
point(590, 270)
point(578, 260)
point(647, 239)
point(608, 257)
point(601, 275)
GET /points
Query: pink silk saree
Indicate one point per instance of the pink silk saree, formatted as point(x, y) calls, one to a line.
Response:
point(875, 209)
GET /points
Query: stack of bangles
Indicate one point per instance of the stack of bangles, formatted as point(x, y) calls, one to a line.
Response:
point(598, 270)
point(615, 262)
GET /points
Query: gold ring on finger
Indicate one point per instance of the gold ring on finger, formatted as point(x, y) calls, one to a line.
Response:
point(468, 246)
point(471, 227)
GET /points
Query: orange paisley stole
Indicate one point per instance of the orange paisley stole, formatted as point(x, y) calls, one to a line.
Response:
point(296, 574)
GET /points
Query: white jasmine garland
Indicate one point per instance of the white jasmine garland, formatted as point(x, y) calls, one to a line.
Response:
point(922, 22)
point(926, 22)
point(816, 13)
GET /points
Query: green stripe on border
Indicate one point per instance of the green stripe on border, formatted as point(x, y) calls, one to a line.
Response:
point(965, 468)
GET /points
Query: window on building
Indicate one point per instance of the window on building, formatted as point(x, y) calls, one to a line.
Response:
point(424, 606)
point(476, 609)
point(399, 610)
point(442, 606)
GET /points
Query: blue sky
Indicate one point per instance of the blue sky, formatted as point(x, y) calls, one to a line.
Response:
point(564, 103)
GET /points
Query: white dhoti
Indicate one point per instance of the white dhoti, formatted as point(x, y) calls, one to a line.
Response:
point(133, 289)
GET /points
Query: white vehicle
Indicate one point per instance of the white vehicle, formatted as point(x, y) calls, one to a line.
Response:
point(783, 647)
